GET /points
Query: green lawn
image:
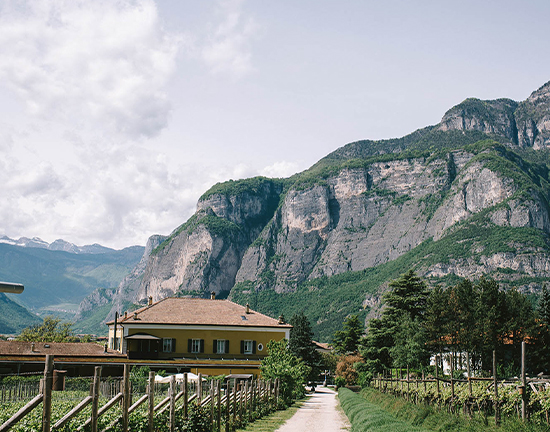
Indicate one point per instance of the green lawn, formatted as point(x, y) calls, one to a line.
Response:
point(273, 421)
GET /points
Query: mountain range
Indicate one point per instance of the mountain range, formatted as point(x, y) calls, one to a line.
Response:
point(468, 197)
point(57, 277)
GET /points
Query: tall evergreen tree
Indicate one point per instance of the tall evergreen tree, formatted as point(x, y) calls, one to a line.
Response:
point(406, 300)
point(347, 340)
point(301, 344)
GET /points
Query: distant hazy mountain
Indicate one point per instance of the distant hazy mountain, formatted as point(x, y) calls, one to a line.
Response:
point(58, 276)
point(57, 245)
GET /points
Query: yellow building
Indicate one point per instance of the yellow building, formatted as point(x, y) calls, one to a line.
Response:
point(202, 335)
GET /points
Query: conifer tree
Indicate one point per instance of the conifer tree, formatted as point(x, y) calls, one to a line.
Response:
point(301, 344)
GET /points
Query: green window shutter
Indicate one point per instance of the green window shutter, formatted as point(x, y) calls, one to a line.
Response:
point(202, 345)
point(215, 346)
point(173, 344)
point(253, 347)
point(242, 347)
point(189, 344)
point(226, 347)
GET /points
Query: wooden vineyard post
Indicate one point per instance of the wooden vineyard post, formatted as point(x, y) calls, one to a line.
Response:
point(95, 397)
point(199, 389)
point(185, 395)
point(234, 403)
point(277, 383)
point(424, 379)
point(212, 383)
point(151, 401)
point(47, 392)
point(251, 401)
point(437, 374)
point(126, 397)
point(246, 403)
point(227, 405)
point(408, 385)
point(219, 416)
point(469, 375)
point(172, 403)
point(452, 381)
point(469, 404)
point(523, 388)
point(241, 407)
point(497, 410)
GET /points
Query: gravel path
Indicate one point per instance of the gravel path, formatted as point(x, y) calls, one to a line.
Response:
point(319, 413)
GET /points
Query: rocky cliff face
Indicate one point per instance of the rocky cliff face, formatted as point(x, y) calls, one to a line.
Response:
point(205, 254)
point(459, 202)
point(526, 124)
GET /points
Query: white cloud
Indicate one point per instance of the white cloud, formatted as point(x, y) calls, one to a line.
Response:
point(228, 49)
point(95, 64)
point(280, 169)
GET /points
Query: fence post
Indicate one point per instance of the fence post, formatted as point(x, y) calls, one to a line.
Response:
point(212, 383)
point(234, 404)
point(227, 405)
point(437, 374)
point(523, 384)
point(199, 389)
point(126, 397)
point(47, 392)
point(452, 381)
point(95, 397)
point(469, 375)
point(408, 385)
point(185, 395)
point(219, 416)
point(497, 410)
point(172, 403)
point(151, 401)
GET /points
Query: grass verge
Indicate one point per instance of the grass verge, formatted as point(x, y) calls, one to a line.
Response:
point(273, 421)
point(431, 419)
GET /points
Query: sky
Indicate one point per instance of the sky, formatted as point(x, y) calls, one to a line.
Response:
point(116, 115)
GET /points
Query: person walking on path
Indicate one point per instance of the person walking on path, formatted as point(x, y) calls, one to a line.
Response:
point(319, 413)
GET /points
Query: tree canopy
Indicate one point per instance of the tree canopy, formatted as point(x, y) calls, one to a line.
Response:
point(283, 364)
point(301, 344)
point(51, 330)
point(347, 340)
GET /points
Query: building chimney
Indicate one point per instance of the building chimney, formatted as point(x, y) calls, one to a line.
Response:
point(32, 347)
point(104, 348)
point(212, 295)
point(281, 319)
point(135, 315)
point(247, 308)
point(125, 314)
point(150, 302)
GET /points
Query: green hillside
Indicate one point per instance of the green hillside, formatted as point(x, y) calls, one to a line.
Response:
point(56, 277)
point(14, 317)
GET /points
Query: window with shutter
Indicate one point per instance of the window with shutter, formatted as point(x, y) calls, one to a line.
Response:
point(248, 347)
point(168, 345)
point(173, 345)
point(215, 346)
point(201, 345)
point(226, 347)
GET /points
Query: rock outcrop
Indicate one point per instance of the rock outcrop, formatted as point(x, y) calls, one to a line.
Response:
point(526, 124)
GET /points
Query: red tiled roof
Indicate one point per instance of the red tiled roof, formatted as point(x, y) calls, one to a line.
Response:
point(194, 311)
point(14, 348)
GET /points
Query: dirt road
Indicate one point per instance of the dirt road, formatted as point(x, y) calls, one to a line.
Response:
point(319, 413)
